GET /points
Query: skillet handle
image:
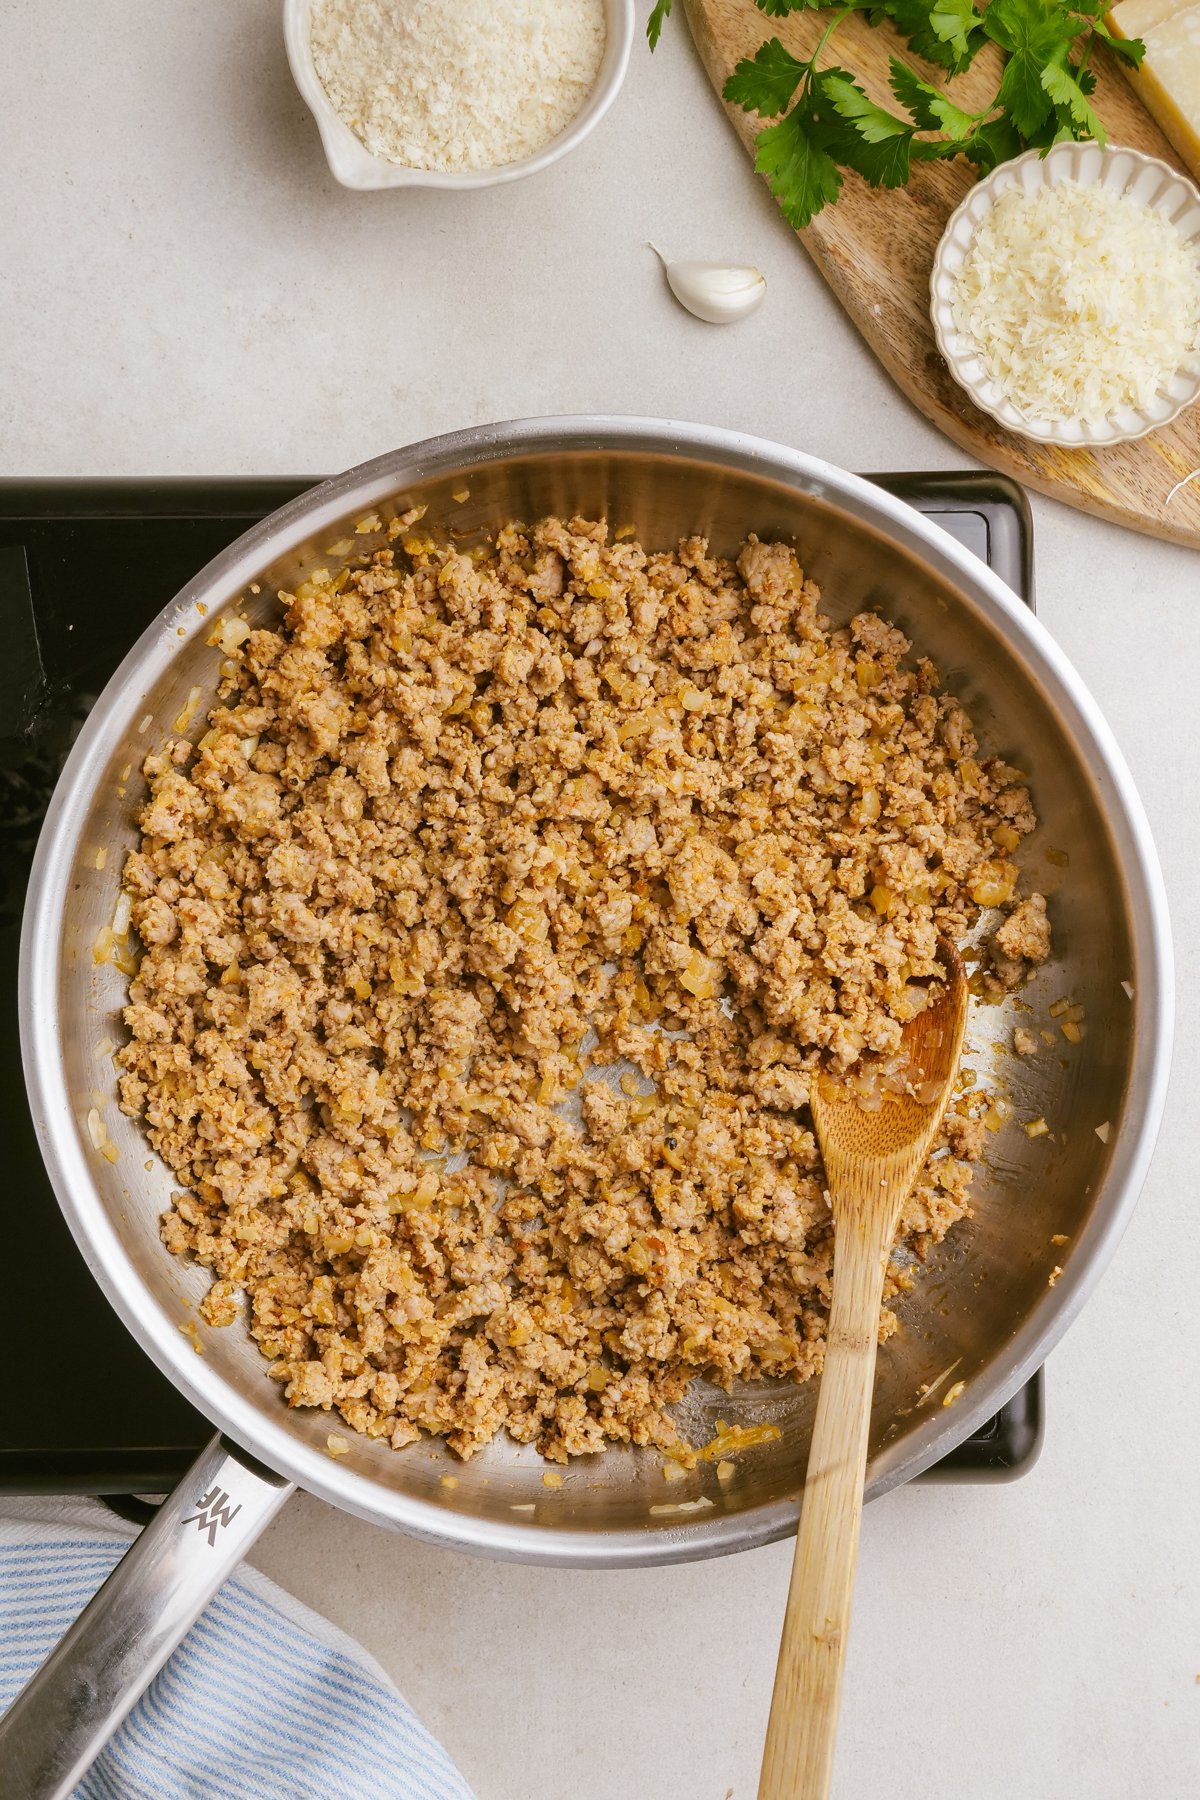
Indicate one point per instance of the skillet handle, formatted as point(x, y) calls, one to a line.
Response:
point(62, 1719)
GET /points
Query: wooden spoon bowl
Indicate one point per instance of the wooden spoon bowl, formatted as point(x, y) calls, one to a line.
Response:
point(872, 1159)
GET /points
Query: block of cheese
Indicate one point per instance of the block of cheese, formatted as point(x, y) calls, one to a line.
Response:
point(1168, 81)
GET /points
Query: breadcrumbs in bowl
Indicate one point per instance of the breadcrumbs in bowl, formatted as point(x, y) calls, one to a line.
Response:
point(464, 97)
point(466, 836)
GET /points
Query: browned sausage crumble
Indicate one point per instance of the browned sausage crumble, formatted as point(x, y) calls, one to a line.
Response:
point(463, 831)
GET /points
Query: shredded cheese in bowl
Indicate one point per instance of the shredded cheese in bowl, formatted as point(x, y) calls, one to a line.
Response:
point(1079, 300)
point(1065, 294)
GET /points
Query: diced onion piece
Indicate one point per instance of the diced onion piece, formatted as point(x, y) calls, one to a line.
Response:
point(528, 920)
point(1102, 1131)
point(1036, 1128)
point(229, 633)
point(732, 1438)
point(701, 976)
point(993, 883)
point(640, 724)
point(122, 914)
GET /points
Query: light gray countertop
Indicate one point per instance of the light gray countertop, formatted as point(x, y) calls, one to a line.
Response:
point(183, 289)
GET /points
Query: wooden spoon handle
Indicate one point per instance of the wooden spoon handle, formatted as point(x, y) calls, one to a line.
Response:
point(802, 1731)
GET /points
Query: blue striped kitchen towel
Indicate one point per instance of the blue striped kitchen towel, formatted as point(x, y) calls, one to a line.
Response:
point(263, 1700)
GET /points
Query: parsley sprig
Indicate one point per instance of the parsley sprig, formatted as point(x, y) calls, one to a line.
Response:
point(827, 122)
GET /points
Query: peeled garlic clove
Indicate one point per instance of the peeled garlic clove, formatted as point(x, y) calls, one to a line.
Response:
point(715, 292)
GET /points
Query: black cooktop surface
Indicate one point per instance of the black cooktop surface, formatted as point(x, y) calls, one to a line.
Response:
point(84, 567)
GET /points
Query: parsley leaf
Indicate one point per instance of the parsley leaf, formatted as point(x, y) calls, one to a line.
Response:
point(800, 172)
point(656, 21)
point(1131, 49)
point(928, 106)
point(879, 147)
point(995, 142)
point(872, 122)
point(779, 9)
point(914, 20)
point(1070, 98)
point(939, 149)
point(1035, 33)
point(952, 22)
point(915, 96)
point(765, 82)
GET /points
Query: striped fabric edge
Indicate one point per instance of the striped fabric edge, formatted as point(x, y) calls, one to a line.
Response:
point(333, 1707)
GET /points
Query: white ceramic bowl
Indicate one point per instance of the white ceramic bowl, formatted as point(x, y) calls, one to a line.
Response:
point(357, 167)
point(1128, 171)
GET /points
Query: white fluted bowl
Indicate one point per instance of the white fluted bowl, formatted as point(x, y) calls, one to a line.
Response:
point(1128, 171)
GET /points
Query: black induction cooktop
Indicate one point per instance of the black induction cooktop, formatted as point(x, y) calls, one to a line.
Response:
point(84, 566)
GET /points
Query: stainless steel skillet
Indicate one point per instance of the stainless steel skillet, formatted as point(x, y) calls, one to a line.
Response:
point(983, 1313)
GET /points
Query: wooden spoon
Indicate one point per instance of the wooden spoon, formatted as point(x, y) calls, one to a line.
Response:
point(872, 1160)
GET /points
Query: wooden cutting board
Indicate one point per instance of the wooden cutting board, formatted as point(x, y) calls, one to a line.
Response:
point(875, 248)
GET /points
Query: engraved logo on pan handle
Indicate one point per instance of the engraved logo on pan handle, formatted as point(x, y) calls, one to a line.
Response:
point(215, 1511)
